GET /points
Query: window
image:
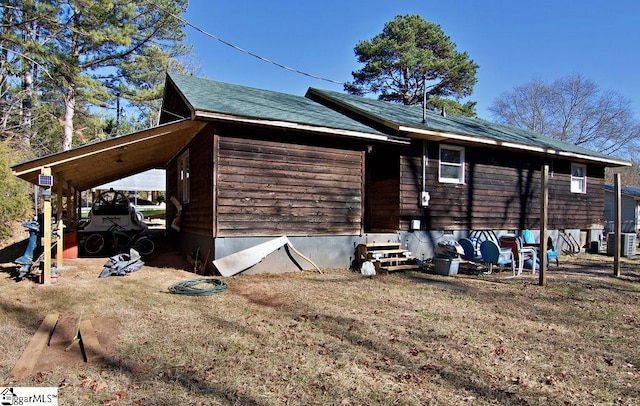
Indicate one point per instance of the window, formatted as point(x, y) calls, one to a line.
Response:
point(184, 187)
point(578, 178)
point(451, 164)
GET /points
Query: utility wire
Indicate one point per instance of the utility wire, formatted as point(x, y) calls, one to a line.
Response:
point(208, 34)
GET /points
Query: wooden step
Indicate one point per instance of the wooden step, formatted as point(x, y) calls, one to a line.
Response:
point(395, 259)
point(400, 267)
point(385, 252)
point(389, 244)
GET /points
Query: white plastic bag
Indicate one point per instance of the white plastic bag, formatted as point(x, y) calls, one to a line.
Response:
point(368, 269)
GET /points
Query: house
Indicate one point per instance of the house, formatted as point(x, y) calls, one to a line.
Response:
point(476, 175)
point(629, 208)
point(271, 164)
point(267, 164)
point(331, 171)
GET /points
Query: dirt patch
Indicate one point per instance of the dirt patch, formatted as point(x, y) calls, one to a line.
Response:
point(64, 349)
point(260, 293)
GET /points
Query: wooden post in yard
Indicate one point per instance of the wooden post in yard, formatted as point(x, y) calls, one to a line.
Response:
point(616, 226)
point(60, 245)
point(544, 202)
point(46, 230)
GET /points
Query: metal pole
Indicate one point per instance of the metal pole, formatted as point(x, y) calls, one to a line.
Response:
point(424, 100)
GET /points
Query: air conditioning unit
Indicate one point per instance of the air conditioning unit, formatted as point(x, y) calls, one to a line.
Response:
point(627, 244)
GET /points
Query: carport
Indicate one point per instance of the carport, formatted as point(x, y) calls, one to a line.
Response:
point(66, 174)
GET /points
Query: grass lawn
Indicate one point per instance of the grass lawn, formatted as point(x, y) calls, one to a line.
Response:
point(336, 338)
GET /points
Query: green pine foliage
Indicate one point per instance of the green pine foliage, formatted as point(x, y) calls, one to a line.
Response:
point(64, 65)
point(15, 202)
point(410, 56)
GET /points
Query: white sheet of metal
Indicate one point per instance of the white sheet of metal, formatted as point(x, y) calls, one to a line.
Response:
point(241, 260)
point(151, 180)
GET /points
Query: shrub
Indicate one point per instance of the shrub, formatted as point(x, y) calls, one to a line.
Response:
point(15, 193)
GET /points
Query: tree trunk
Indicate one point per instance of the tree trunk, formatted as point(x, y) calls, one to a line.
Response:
point(69, 111)
point(27, 103)
point(28, 35)
point(4, 63)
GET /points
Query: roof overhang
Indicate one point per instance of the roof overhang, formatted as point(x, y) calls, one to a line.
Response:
point(97, 163)
point(444, 136)
point(208, 115)
point(435, 135)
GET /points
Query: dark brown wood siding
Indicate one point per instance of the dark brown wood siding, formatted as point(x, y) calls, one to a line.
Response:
point(268, 188)
point(198, 213)
point(501, 191)
point(382, 189)
point(172, 189)
point(575, 210)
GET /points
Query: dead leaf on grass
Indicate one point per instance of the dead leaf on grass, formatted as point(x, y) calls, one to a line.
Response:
point(118, 396)
point(39, 377)
point(93, 385)
point(431, 367)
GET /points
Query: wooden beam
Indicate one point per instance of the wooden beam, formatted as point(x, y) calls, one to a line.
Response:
point(31, 354)
point(91, 348)
point(191, 127)
point(617, 225)
point(544, 202)
point(214, 186)
point(363, 158)
point(46, 272)
point(60, 245)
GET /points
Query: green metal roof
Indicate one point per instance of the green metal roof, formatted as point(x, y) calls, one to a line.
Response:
point(241, 101)
point(208, 96)
point(409, 119)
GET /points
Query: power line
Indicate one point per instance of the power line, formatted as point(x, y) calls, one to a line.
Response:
point(208, 34)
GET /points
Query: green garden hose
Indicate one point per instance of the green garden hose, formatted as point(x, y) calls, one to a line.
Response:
point(187, 287)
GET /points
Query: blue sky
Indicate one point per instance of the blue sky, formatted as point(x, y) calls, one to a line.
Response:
point(513, 42)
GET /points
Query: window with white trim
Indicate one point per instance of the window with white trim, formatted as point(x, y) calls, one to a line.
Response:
point(451, 167)
point(184, 187)
point(578, 178)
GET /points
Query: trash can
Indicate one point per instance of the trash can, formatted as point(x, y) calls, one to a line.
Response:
point(447, 258)
point(446, 266)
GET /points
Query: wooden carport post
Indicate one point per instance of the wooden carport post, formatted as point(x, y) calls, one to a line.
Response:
point(46, 230)
point(544, 202)
point(59, 229)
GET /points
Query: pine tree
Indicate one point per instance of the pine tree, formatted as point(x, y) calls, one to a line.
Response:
point(412, 56)
point(83, 55)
